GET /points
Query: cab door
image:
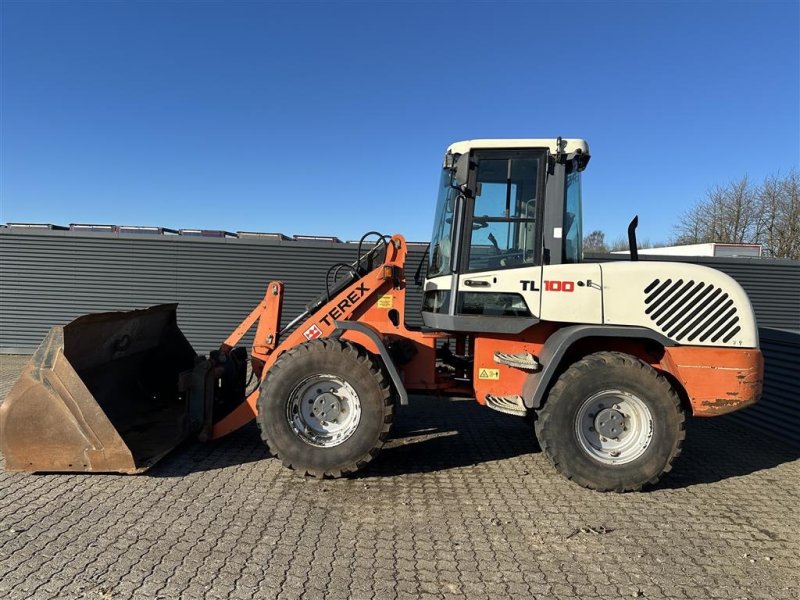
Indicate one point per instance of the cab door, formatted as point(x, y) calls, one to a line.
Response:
point(501, 245)
point(572, 292)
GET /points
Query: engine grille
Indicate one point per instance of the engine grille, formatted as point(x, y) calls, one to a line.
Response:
point(691, 311)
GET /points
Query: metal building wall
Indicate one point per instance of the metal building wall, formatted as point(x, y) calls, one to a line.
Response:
point(778, 412)
point(50, 278)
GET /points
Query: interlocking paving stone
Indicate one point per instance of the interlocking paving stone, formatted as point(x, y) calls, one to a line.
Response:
point(460, 504)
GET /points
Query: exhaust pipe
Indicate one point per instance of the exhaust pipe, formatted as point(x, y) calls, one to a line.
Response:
point(632, 246)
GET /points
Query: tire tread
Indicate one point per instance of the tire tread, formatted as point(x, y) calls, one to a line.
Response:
point(355, 352)
point(592, 364)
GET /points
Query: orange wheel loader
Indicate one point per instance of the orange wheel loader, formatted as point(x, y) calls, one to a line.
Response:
point(606, 360)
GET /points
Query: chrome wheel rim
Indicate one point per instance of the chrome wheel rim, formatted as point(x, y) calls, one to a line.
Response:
point(614, 427)
point(323, 410)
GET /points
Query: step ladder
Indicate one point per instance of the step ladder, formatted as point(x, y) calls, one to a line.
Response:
point(510, 405)
point(522, 360)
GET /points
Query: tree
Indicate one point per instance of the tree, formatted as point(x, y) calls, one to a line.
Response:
point(779, 216)
point(743, 213)
point(728, 215)
point(595, 242)
point(620, 244)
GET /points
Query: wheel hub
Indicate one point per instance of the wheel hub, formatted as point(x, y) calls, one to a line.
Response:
point(323, 410)
point(326, 407)
point(614, 427)
point(609, 423)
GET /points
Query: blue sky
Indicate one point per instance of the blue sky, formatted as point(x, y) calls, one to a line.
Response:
point(331, 118)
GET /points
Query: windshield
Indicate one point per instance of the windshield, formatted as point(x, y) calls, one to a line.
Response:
point(439, 259)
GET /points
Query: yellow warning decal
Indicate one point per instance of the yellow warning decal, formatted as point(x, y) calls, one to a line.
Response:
point(385, 301)
point(488, 373)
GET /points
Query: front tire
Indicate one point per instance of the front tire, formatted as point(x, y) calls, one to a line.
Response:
point(325, 408)
point(611, 423)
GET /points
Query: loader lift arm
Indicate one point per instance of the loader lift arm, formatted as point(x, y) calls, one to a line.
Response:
point(348, 304)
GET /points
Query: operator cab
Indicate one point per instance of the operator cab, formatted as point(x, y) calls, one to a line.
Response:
point(505, 209)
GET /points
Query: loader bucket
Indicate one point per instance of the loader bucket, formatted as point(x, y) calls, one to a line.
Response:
point(101, 394)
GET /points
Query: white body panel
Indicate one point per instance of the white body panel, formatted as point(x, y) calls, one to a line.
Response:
point(438, 283)
point(689, 304)
point(686, 309)
point(510, 281)
point(564, 299)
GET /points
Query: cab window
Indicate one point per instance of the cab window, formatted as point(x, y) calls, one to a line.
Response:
point(573, 219)
point(504, 228)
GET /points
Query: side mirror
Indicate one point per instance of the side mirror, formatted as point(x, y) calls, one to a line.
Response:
point(462, 170)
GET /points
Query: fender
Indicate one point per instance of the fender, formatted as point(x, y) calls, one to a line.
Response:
point(377, 340)
point(537, 384)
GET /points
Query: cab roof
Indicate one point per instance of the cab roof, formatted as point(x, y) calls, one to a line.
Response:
point(568, 145)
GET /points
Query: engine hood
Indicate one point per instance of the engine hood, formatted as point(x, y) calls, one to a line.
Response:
point(689, 304)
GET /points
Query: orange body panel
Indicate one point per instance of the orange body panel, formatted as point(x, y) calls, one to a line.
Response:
point(717, 380)
point(387, 316)
point(360, 339)
point(419, 373)
point(510, 380)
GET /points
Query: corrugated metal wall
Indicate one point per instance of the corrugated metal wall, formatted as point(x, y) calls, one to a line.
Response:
point(50, 278)
point(778, 413)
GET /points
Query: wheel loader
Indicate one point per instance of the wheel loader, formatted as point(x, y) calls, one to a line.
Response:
point(605, 360)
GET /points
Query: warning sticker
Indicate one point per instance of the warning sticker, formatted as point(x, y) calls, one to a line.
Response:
point(488, 373)
point(385, 301)
point(312, 332)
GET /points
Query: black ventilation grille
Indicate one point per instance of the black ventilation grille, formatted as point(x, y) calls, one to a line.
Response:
point(691, 311)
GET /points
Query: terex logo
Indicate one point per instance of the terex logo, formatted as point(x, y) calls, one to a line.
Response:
point(349, 301)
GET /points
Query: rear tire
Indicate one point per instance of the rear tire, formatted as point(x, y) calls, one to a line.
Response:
point(611, 423)
point(325, 408)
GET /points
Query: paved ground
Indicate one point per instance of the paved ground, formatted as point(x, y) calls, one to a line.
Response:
point(461, 505)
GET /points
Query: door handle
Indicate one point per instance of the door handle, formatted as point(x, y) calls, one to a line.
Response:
point(476, 283)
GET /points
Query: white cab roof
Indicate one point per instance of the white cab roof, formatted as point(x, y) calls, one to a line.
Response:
point(568, 145)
